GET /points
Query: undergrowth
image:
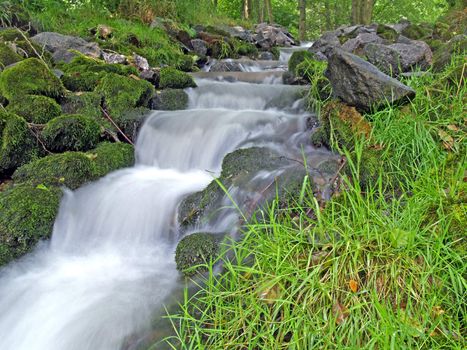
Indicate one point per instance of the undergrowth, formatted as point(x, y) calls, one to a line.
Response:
point(381, 267)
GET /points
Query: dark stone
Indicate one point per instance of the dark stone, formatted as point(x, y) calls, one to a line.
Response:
point(357, 44)
point(184, 38)
point(360, 84)
point(226, 66)
point(417, 53)
point(169, 100)
point(384, 57)
point(151, 75)
point(200, 47)
point(195, 250)
point(266, 56)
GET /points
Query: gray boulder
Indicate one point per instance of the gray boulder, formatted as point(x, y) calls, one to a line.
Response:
point(60, 45)
point(387, 59)
point(269, 35)
point(360, 84)
point(226, 66)
point(416, 53)
point(200, 47)
point(357, 44)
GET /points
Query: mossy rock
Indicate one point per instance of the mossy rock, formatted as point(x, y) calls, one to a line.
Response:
point(82, 82)
point(17, 143)
point(84, 103)
point(387, 33)
point(27, 215)
point(71, 169)
point(312, 71)
point(130, 121)
point(109, 157)
point(122, 93)
point(71, 133)
point(194, 251)
point(83, 64)
point(421, 31)
point(297, 58)
point(175, 79)
point(170, 100)
point(12, 34)
point(220, 49)
point(443, 56)
point(30, 77)
point(276, 52)
point(340, 127)
point(242, 48)
point(8, 56)
point(35, 108)
point(185, 63)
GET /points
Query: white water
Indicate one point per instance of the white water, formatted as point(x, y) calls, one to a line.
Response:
point(109, 266)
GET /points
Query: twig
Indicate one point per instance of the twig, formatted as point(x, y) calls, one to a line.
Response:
point(31, 128)
point(32, 47)
point(116, 126)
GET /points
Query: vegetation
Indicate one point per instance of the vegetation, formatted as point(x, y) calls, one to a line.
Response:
point(175, 79)
point(35, 108)
point(109, 157)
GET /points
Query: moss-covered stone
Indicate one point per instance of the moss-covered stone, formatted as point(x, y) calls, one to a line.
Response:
point(130, 121)
point(85, 103)
point(35, 108)
point(82, 64)
point(220, 48)
point(175, 79)
point(108, 157)
point(297, 58)
point(242, 48)
point(387, 33)
point(340, 126)
point(122, 93)
point(185, 63)
point(17, 143)
point(86, 81)
point(276, 52)
point(71, 133)
point(27, 215)
point(421, 31)
point(194, 251)
point(71, 169)
point(312, 71)
point(12, 34)
point(30, 77)
point(170, 100)
point(442, 57)
point(8, 56)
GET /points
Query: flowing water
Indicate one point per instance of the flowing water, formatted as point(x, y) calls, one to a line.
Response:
point(109, 267)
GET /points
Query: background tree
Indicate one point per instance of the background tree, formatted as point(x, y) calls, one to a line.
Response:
point(302, 21)
point(362, 11)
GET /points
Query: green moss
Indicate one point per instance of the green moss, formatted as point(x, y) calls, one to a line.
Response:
point(418, 31)
point(442, 57)
point(387, 33)
point(71, 169)
point(7, 56)
point(86, 103)
point(35, 109)
point(276, 52)
point(109, 157)
point(194, 250)
point(30, 77)
point(185, 63)
point(297, 58)
point(34, 50)
point(170, 100)
point(82, 64)
point(17, 143)
point(12, 34)
point(71, 133)
point(123, 93)
point(86, 81)
point(175, 79)
point(221, 48)
point(312, 71)
point(130, 121)
point(27, 214)
point(242, 48)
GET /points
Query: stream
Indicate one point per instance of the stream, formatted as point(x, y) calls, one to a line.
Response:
point(109, 268)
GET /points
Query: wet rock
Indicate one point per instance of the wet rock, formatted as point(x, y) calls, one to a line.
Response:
point(226, 66)
point(200, 47)
point(266, 56)
point(268, 36)
point(140, 62)
point(194, 251)
point(113, 58)
point(151, 75)
point(360, 84)
point(60, 45)
point(175, 79)
point(169, 100)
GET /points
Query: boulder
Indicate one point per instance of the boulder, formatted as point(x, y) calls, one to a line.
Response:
point(84, 103)
point(226, 66)
point(200, 47)
point(8, 56)
point(357, 44)
point(360, 84)
point(270, 35)
point(194, 252)
point(266, 56)
point(61, 46)
point(414, 54)
point(384, 57)
point(175, 79)
point(169, 100)
point(35, 108)
point(140, 62)
point(108, 157)
point(152, 75)
point(442, 57)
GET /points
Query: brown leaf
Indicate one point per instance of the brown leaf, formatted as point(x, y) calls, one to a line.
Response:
point(340, 311)
point(353, 285)
point(452, 127)
point(270, 294)
point(438, 311)
point(448, 141)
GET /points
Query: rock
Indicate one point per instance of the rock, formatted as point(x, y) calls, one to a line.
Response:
point(361, 84)
point(194, 251)
point(384, 58)
point(123, 93)
point(71, 133)
point(151, 75)
point(266, 56)
point(169, 100)
point(200, 47)
point(417, 53)
point(357, 44)
point(70, 169)
point(27, 215)
point(175, 79)
point(184, 38)
point(140, 62)
point(442, 57)
point(326, 42)
point(388, 33)
point(108, 157)
point(12, 34)
point(18, 145)
point(299, 57)
point(30, 77)
point(8, 56)
point(268, 36)
point(35, 108)
point(84, 103)
point(130, 122)
point(113, 58)
point(226, 66)
point(418, 31)
point(59, 45)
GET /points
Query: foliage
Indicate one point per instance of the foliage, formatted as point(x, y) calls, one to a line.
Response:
point(71, 133)
point(27, 214)
point(17, 143)
point(35, 108)
point(30, 77)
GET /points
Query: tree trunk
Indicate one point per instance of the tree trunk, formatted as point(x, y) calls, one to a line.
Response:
point(302, 21)
point(362, 11)
point(327, 14)
point(267, 4)
point(246, 10)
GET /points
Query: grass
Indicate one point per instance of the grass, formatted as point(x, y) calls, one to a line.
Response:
point(378, 268)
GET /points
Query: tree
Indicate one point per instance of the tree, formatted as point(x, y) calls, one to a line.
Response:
point(362, 11)
point(268, 6)
point(302, 21)
point(247, 7)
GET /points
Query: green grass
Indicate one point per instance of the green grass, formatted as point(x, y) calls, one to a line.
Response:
point(381, 267)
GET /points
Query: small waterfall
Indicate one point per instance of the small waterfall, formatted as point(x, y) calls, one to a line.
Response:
point(109, 267)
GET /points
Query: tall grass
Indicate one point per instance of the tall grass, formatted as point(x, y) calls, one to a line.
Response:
point(378, 268)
